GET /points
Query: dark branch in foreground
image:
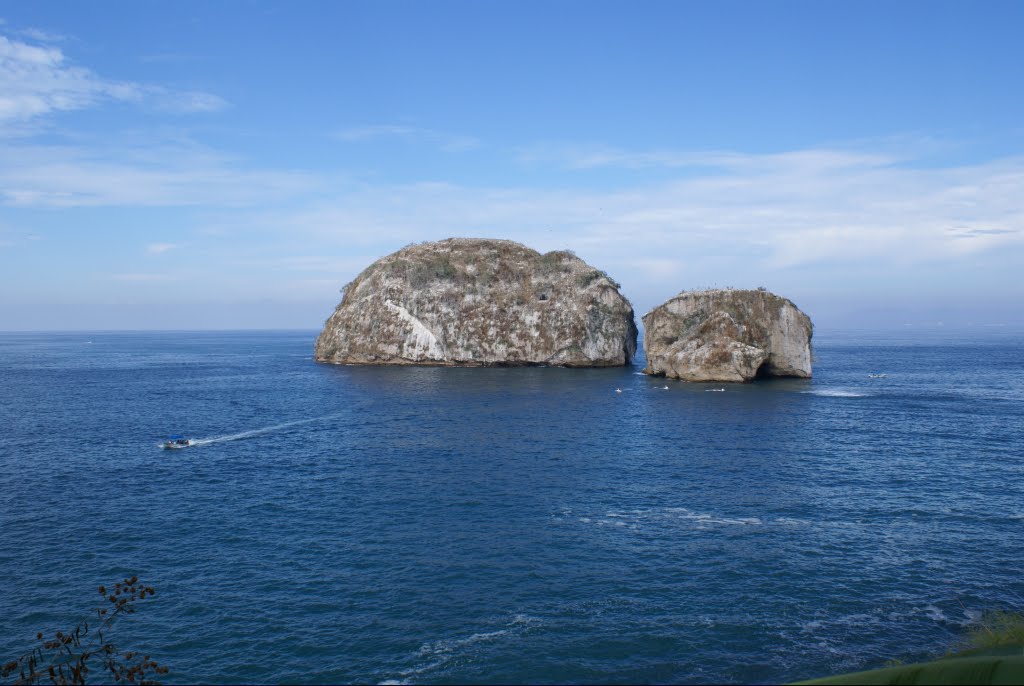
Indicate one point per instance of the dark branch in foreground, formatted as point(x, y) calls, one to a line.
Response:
point(68, 658)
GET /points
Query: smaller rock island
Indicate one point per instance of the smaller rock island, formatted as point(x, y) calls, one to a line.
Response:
point(480, 302)
point(727, 335)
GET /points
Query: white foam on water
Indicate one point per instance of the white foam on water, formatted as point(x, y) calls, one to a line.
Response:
point(704, 518)
point(811, 627)
point(836, 393)
point(258, 432)
point(933, 613)
point(447, 646)
point(858, 619)
point(441, 652)
point(676, 516)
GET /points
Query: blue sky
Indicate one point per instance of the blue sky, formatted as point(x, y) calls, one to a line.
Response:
point(233, 164)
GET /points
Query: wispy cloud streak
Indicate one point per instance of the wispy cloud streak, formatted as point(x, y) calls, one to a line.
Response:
point(446, 141)
point(157, 174)
point(37, 79)
point(790, 209)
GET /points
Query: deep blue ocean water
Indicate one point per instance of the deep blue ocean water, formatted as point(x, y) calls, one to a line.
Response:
point(352, 524)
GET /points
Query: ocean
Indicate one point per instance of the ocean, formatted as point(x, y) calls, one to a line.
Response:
point(435, 525)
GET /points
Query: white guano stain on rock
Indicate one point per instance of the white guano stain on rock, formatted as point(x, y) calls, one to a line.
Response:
point(422, 344)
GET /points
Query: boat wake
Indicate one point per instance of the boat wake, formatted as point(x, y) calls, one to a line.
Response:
point(258, 432)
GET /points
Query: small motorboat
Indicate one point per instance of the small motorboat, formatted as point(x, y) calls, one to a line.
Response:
point(877, 376)
point(176, 443)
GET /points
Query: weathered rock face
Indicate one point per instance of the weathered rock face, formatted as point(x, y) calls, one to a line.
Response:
point(477, 302)
point(727, 335)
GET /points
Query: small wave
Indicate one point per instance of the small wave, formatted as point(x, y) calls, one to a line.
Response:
point(440, 653)
point(836, 393)
point(819, 627)
point(665, 516)
point(970, 618)
point(448, 646)
point(930, 612)
point(934, 613)
point(811, 627)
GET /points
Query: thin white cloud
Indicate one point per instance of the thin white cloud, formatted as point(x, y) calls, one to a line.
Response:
point(37, 79)
point(159, 248)
point(309, 263)
point(594, 157)
point(140, 277)
point(42, 36)
point(775, 211)
point(730, 219)
point(185, 102)
point(170, 58)
point(362, 133)
point(155, 174)
point(446, 141)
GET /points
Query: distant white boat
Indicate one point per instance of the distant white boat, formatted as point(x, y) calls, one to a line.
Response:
point(714, 390)
point(877, 376)
point(177, 443)
point(618, 390)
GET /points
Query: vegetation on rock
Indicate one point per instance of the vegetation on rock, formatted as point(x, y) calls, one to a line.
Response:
point(480, 302)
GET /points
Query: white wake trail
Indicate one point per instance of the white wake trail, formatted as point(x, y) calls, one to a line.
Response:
point(257, 432)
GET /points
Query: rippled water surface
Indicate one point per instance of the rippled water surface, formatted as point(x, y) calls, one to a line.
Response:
point(509, 525)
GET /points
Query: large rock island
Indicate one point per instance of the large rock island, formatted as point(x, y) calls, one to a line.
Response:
point(727, 335)
point(479, 302)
